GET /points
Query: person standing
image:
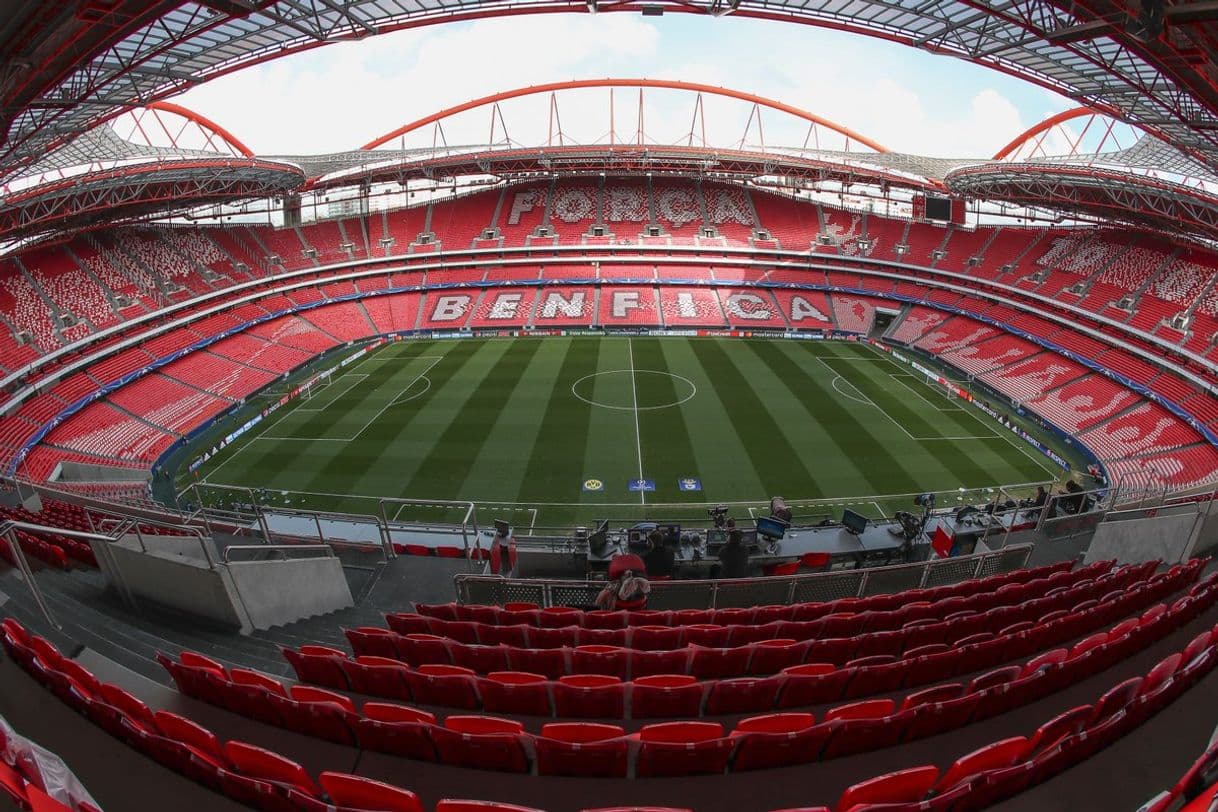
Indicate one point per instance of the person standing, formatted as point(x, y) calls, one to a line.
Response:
point(734, 557)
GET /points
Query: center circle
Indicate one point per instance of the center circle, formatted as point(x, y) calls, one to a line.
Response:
point(622, 389)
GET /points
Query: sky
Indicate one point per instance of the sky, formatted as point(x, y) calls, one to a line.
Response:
point(341, 96)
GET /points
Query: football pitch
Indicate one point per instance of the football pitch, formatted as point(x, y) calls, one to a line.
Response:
point(550, 432)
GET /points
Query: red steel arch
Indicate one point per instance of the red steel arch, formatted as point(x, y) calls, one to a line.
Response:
point(664, 84)
point(1043, 127)
point(204, 122)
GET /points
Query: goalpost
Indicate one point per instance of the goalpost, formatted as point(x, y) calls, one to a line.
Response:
point(321, 382)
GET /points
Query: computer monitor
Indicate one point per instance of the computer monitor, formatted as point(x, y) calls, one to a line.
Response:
point(502, 528)
point(770, 527)
point(854, 523)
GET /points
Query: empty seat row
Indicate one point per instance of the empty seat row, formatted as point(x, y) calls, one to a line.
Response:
point(556, 616)
point(782, 739)
point(668, 696)
point(268, 781)
point(770, 656)
point(334, 716)
point(879, 632)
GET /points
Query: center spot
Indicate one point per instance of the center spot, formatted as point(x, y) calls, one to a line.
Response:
point(619, 388)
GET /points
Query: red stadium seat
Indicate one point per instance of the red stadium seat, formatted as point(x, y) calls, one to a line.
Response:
point(771, 656)
point(649, 663)
point(709, 635)
point(555, 617)
point(656, 638)
point(448, 805)
point(903, 787)
point(448, 685)
point(318, 665)
point(812, 684)
point(484, 742)
point(718, 663)
point(665, 695)
point(682, 748)
point(408, 623)
point(565, 636)
point(479, 659)
point(742, 695)
point(495, 635)
point(552, 662)
point(421, 649)
point(991, 757)
point(777, 740)
point(596, 659)
point(592, 696)
point(515, 692)
point(581, 749)
point(354, 792)
point(260, 764)
point(397, 729)
point(374, 642)
point(377, 676)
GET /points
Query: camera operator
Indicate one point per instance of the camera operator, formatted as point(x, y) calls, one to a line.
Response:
point(659, 560)
point(734, 557)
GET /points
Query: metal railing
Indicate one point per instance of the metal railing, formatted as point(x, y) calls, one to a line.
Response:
point(281, 549)
point(770, 590)
point(8, 531)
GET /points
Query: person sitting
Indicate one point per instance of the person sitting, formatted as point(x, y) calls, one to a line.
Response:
point(630, 591)
point(659, 559)
point(734, 557)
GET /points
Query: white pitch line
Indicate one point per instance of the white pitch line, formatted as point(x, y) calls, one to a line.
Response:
point(638, 442)
point(1019, 444)
point(938, 407)
point(355, 380)
point(810, 503)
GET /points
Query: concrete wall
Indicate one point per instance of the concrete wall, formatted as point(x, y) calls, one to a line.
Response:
point(172, 573)
point(84, 472)
point(277, 592)
point(181, 583)
point(1169, 536)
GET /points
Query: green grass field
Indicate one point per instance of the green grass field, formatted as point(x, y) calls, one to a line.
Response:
point(520, 425)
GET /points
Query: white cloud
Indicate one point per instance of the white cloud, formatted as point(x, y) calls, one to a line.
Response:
point(344, 95)
point(341, 96)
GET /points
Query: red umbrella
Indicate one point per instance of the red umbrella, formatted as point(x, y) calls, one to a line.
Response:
point(623, 562)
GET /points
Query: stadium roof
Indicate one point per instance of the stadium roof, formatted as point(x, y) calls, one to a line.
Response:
point(71, 65)
point(74, 66)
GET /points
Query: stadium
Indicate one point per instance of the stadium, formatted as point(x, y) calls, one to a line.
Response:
point(328, 479)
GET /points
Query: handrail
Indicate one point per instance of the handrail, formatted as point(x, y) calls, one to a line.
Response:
point(282, 549)
point(8, 530)
point(834, 584)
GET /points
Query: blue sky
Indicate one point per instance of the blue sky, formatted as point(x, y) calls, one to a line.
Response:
point(340, 96)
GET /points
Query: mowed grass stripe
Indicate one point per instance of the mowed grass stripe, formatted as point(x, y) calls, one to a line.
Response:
point(387, 452)
point(778, 467)
point(720, 457)
point(504, 457)
point(664, 430)
point(988, 459)
point(555, 466)
point(338, 464)
point(445, 469)
point(611, 451)
point(952, 455)
point(350, 412)
point(857, 439)
point(299, 464)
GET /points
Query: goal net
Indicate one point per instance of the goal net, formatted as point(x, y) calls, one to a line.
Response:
point(313, 387)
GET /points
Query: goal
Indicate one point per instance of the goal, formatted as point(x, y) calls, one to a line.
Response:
point(312, 387)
